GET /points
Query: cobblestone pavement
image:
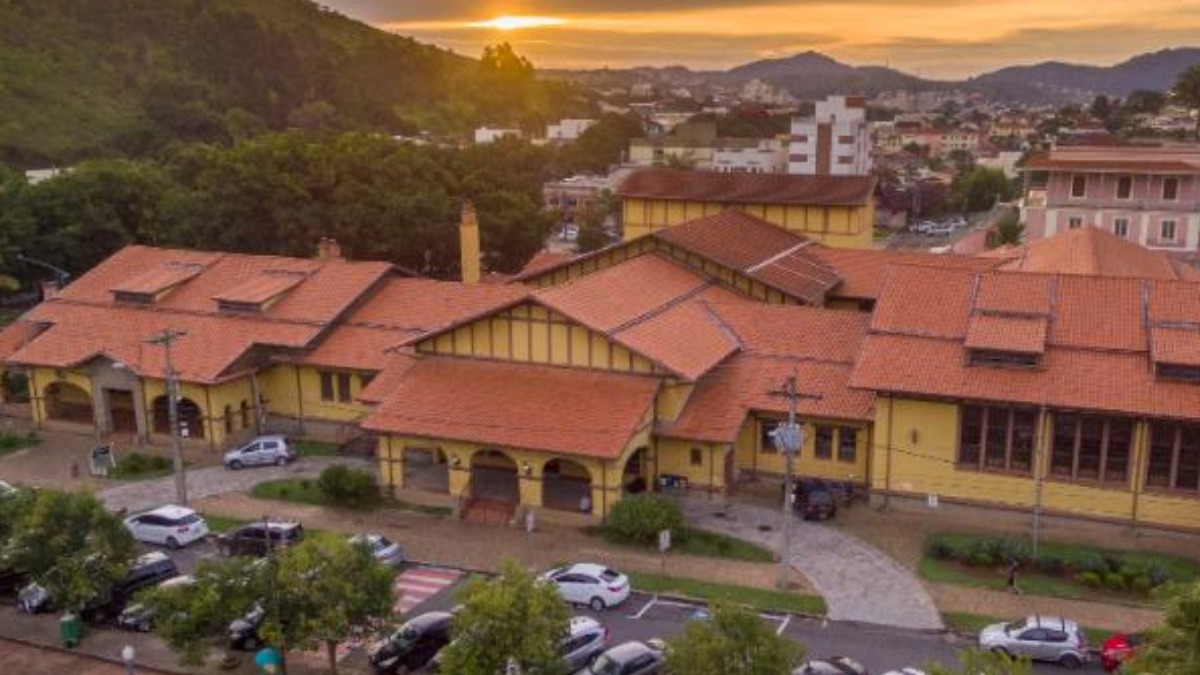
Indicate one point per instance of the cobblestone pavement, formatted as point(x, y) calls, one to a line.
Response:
point(209, 481)
point(858, 582)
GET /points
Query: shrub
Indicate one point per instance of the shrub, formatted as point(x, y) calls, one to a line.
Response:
point(348, 486)
point(1141, 584)
point(1012, 549)
point(1089, 579)
point(1052, 564)
point(1114, 563)
point(1094, 564)
point(941, 549)
point(1157, 574)
point(305, 484)
point(981, 558)
point(639, 518)
point(1115, 581)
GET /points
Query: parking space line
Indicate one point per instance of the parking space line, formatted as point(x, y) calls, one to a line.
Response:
point(645, 608)
point(787, 619)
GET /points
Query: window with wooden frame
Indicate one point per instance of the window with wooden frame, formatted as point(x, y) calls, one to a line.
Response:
point(697, 457)
point(823, 442)
point(343, 387)
point(327, 386)
point(996, 438)
point(847, 444)
point(1174, 457)
point(1078, 186)
point(1121, 227)
point(766, 442)
point(1166, 230)
point(1170, 189)
point(1125, 187)
point(1091, 448)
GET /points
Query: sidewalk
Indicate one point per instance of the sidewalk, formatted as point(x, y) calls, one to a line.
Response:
point(859, 582)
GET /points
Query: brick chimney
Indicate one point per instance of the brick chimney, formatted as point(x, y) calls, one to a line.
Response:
point(328, 250)
point(468, 244)
point(50, 289)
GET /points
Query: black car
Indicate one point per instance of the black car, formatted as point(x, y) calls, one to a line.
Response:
point(413, 645)
point(814, 500)
point(252, 539)
point(149, 570)
point(243, 632)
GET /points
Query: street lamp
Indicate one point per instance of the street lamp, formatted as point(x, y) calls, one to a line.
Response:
point(166, 338)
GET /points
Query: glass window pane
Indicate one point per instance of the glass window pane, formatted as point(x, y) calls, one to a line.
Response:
point(1062, 454)
point(1120, 438)
point(1162, 449)
point(1187, 475)
point(823, 443)
point(1091, 442)
point(766, 442)
point(1023, 433)
point(970, 431)
point(847, 444)
point(996, 443)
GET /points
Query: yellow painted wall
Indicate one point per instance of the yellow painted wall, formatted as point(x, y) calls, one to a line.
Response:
point(40, 378)
point(751, 456)
point(672, 397)
point(531, 333)
point(675, 457)
point(839, 226)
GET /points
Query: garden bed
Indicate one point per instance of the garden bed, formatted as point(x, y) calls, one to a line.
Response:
point(10, 443)
point(1059, 570)
point(760, 599)
point(308, 491)
point(136, 466)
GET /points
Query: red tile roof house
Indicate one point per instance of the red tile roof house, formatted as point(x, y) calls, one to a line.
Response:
point(656, 362)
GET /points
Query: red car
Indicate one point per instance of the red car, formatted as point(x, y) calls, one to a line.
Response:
point(1118, 649)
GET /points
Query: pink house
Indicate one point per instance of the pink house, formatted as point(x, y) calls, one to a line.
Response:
point(1147, 194)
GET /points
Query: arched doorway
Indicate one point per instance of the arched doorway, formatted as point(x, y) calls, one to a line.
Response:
point(191, 417)
point(494, 477)
point(567, 486)
point(68, 402)
point(634, 477)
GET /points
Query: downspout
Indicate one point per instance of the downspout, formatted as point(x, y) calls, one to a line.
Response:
point(146, 423)
point(300, 404)
point(35, 395)
point(212, 440)
point(887, 474)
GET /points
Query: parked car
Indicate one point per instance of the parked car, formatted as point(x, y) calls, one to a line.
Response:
point(170, 526)
point(138, 616)
point(570, 233)
point(148, 570)
point(906, 671)
point(385, 550)
point(413, 645)
point(630, 658)
point(258, 538)
point(834, 665)
point(261, 451)
point(1041, 638)
point(590, 584)
point(1118, 649)
point(814, 499)
point(243, 631)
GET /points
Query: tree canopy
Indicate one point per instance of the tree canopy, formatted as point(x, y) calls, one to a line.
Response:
point(1187, 92)
point(733, 641)
point(1174, 647)
point(978, 662)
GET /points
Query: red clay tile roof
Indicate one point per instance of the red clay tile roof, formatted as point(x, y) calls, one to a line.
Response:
point(685, 338)
point(1092, 251)
point(747, 188)
point(563, 410)
point(267, 285)
point(1110, 163)
point(757, 249)
point(396, 365)
point(1176, 346)
point(1097, 344)
point(157, 279)
point(1026, 335)
point(794, 332)
point(1027, 294)
point(16, 335)
point(862, 271)
point(544, 260)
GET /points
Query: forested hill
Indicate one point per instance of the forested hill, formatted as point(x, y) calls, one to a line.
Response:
point(88, 78)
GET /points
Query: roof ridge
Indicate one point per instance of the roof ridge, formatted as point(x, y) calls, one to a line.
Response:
point(661, 309)
point(763, 263)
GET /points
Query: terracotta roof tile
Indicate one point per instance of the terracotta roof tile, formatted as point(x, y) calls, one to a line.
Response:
point(1098, 313)
point(1026, 335)
point(862, 271)
point(924, 301)
point(1115, 159)
point(1174, 303)
point(747, 188)
point(1176, 346)
point(791, 331)
point(426, 305)
point(686, 338)
point(158, 279)
point(396, 365)
point(544, 260)
point(1091, 251)
point(563, 410)
point(357, 347)
point(1028, 294)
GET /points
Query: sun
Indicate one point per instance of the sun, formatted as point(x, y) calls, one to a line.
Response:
point(516, 22)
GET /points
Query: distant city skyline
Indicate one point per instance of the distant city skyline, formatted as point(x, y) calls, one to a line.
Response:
point(946, 39)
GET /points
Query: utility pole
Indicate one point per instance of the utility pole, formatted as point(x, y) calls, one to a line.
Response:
point(166, 339)
point(788, 438)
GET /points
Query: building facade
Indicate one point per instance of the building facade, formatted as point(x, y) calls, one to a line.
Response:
point(835, 141)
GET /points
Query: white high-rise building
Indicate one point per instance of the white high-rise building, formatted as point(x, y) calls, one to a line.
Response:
point(833, 142)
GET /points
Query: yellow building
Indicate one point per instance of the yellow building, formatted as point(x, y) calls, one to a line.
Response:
point(836, 211)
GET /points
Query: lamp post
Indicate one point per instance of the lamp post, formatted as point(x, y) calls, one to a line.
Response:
point(166, 338)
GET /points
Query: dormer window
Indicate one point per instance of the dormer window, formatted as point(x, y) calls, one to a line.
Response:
point(1171, 371)
point(133, 298)
point(1006, 340)
point(154, 283)
point(1175, 351)
point(256, 294)
point(1002, 359)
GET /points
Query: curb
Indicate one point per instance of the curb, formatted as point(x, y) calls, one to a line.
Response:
point(141, 667)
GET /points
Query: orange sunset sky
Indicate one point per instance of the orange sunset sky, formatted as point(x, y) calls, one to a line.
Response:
point(931, 38)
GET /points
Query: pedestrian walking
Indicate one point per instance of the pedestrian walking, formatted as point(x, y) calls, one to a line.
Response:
point(1011, 584)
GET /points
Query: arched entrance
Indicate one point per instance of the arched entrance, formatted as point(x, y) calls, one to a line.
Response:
point(68, 402)
point(567, 486)
point(634, 477)
point(191, 417)
point(494, 477)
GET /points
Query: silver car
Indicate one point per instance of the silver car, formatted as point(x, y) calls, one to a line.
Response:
point(261, 451)
point(385, 550)
point(1041, 638)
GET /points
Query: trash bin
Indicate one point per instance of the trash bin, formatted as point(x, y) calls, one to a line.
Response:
point(268, 661)
point(68, 627)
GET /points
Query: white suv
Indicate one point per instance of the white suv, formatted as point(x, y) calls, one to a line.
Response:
point(261, 451)
point(589, 584)
point(170, 526)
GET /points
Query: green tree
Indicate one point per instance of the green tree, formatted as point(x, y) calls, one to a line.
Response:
point(1174, 647)
point(979, 188)
point(1009, 231)
point(192, 618)
point(979, 662)
point(733, 642)
point(1187, 92)
point(602, 145)
point(603, 210)
point(69, 544)
point(319, 591)
point(513, 616)
point(1145, 101)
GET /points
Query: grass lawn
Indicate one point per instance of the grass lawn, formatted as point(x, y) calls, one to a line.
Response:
point(218, 524)
point(136, 466)
point(10, 443)
point(702, 543)
point(306, 491)
point(1066, 585)
point(760, 599)
point(307, 448)
point(973, 623)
